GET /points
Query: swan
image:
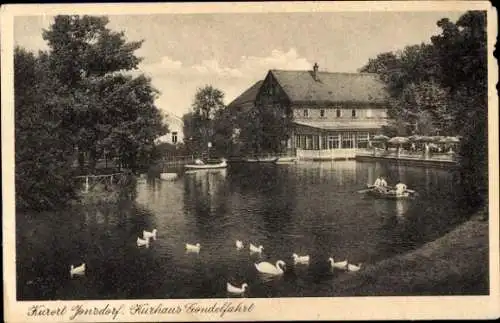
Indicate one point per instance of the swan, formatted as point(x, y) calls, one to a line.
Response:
point(270, 269)
point(351, 267)
point(142, 242)
point(254, 249)
point(300, 259)
point(80, 270)
point(239, 244)
point(146, 234)
point(192, 247)
point(236, 290)
point(338, 264)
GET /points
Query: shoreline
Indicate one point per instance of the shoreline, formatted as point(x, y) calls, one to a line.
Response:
point(453, 264)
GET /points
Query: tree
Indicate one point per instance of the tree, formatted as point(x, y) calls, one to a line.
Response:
point(43, 153)
point(442, 86)
point(463, 57)
point(207, 106)
point(111, 110)
point(273, 128)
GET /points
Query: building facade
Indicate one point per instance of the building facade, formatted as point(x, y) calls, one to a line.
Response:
point(175, 135)
point(333, 113)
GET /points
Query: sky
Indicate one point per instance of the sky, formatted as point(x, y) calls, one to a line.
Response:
point(232, 51)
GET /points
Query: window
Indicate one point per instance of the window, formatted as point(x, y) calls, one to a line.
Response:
point(362, 139)
point(339, 113)
point(322, 113)
point(315, 142)
point(309, 144)
point(348, 140)
point(174, 137)
point(333, 141)
point(353, 113)
point(306, 113)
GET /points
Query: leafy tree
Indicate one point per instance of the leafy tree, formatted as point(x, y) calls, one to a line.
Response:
point(442, 86)
point(111, 111)
point(43, 153)
point(463, 58)
point(207, 107)
point(274, 124)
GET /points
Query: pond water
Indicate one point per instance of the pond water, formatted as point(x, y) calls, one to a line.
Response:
point(304, 208)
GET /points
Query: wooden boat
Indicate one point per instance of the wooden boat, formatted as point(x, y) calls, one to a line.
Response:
point(209, 165)
point(286, 160)
point(261, 160)
point(387, 192)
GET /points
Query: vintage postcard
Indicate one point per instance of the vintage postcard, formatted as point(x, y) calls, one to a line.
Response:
point(250, 161)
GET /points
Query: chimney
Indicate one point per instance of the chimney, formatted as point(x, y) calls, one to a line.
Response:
point(315, 71)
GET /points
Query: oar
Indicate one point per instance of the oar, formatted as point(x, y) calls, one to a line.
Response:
point(370, 187)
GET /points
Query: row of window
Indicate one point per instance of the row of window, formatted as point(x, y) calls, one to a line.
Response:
point(334, 141)
point(338, 113)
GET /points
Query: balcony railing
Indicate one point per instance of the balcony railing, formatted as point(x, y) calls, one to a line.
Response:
point(405, 154)
point(326, 154)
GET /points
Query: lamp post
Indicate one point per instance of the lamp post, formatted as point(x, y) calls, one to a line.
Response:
point(209, 146)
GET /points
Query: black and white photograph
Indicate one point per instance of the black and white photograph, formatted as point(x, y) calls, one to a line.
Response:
point(250, 161)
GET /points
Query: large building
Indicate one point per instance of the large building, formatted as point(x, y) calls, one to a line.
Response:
point(333, 113)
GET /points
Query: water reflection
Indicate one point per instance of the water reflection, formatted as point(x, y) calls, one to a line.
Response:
point(309, 208)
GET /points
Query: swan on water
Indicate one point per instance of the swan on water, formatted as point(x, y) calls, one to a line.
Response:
point(270, 269)
point(147, 235)
point(300, 259)
point(239, 244)
point(351, 267)
point(142, 242)
point(338, 264)
point(193, 247)
point(254, 249)
point(236, 290)
point(80, 270)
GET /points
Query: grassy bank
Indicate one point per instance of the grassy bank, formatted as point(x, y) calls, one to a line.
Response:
point(455, 264)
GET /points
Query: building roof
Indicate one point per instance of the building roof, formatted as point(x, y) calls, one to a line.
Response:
point(301, 87)
point(248, 96)
point(343, 124)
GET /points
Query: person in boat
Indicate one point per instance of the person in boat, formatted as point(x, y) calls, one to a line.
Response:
point(382, 186)
point(400, 189)
point(377, 182)
point(198, 162)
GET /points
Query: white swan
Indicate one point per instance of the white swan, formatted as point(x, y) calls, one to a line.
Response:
point(300, 259)
point(239, 244)
point(193, 247)
point(236, 290)
point(351, 267)
point(142, 242)
point(147, 235)
point(270, 269)
point(80, 270)
point(338, 264)
point(255, 249)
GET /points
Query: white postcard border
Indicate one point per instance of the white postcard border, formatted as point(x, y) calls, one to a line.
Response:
point(314, 308)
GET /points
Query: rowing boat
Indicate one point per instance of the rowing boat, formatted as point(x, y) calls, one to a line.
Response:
point(261, 160)
point(286, 160)
point(222, 164)
point(387, 192)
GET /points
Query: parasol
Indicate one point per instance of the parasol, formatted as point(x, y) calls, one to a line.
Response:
point(398, 140)
point(380, 138)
